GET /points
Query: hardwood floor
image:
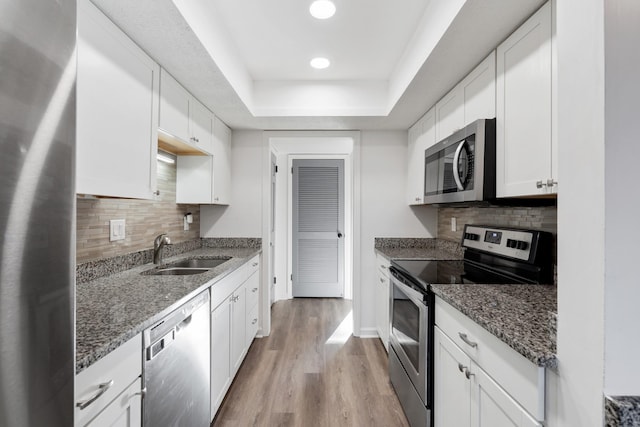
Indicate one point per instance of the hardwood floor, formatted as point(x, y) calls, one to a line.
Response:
point(304, 374)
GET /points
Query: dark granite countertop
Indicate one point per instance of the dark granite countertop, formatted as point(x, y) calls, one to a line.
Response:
point(111, 310)
point(522, 316)
point(423, 248)
point(622, 411)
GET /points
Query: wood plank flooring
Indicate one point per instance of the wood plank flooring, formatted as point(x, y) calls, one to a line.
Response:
point(298, 376)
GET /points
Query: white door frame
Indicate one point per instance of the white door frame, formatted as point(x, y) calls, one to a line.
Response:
point(347, 290)
point(316, 142)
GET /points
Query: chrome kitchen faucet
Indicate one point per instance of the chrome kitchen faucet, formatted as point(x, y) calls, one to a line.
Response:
point(158, 244)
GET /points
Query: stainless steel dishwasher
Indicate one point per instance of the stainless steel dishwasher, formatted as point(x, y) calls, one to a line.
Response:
point(176, 367)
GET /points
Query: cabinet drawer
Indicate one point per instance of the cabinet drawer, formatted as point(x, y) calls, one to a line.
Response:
point(521, 378)
point(119, 368)
point(252, 324)
point(225, 287)
point(253, 290)
point(382, 265)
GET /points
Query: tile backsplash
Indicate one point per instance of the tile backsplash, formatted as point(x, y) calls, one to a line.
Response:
point(144, 220)
point(537, 218)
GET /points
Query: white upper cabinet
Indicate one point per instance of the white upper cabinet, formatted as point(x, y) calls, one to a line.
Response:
point(117, 111)
point(206, 179)
point(450, 113)
point(479, 91)
point(184, 117)
point(221, 162)
point(525, 144)
point(421, 136)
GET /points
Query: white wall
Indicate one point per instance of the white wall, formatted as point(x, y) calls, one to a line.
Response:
point(581, 213)
point(384, 210)
point(243, 216)
point(622, 200)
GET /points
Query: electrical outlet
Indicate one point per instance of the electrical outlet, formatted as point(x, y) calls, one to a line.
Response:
point(454, 224)
point(116, 229)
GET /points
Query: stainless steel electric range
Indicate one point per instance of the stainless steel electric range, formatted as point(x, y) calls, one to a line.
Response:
point(493, 255)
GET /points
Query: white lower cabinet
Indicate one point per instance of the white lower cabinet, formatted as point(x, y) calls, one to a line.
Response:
point(125, 411)
point(108, 393)
point(464, 395)
point(230, 326)
point(478, 380)
point(382, 294)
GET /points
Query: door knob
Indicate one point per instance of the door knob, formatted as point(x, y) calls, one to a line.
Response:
point(339, 234)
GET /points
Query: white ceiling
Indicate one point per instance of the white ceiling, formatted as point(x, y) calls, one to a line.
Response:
point(247, 60)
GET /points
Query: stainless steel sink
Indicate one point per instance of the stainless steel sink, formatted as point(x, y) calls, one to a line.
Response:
point(199, 263)
point(187, 267)
point(176, 271)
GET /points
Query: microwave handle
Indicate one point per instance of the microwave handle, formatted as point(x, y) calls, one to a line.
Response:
point(456, 157)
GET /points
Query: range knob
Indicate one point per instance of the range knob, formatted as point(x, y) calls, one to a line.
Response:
point(522, 245)
point(512, 243)
point(471, 236)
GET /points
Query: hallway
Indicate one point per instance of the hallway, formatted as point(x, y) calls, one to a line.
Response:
point(312, 372)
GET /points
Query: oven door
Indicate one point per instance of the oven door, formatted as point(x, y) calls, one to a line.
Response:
point(409, 335)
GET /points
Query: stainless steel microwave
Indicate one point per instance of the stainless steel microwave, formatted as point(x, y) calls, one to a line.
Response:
point(462, 167)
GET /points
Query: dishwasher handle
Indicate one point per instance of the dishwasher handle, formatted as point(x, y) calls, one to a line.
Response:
point(154, 349)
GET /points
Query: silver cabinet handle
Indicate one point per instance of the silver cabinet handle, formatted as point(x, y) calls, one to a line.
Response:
point(102, 389)
point(142, 392)
point(466, 340)
point(551, 183)
point(381, 279)
point(255, 264)
point(461, 367)
point(215, 199)
point(253, 322)
point(254, 290)
point(468, 374)
point(418, 199)
point(540, 184)
point(384, 267)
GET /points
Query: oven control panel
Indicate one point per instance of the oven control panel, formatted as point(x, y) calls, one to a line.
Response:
point(499, 241)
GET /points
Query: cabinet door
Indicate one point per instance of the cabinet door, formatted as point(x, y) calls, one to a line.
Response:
point(252, 287)
point(524, 108)
point(492, 406)
point(382, 309)
point(222, 163)
point(220, 353)
point(124, 411)
point(450, 113)
point(174, 107)
point(238, 329)
point(479, 91)
point(194, 179)
point(421, 136)
point(200, 126)
point(117, 111)
point(452, 389)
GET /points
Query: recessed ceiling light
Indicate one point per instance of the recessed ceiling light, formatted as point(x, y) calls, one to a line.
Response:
point(322, 9)
point(320, 63)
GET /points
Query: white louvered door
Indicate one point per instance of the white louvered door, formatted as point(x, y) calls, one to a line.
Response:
point(318, 227)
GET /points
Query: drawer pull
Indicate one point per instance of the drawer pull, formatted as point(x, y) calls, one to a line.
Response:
point(102, 389)
point(468, 374)
point(255, 264)
point(467, 341)
point(253, 322)
point(381, 279)
point(461, 367)
point(254, 290)
point(142, 393)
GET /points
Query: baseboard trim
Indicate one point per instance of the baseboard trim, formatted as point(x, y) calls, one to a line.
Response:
point(367, 333)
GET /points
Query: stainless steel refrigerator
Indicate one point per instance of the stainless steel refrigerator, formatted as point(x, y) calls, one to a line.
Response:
point(37, 211)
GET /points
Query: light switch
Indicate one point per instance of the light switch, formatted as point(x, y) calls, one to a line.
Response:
point(116, 229)
point(454, 224)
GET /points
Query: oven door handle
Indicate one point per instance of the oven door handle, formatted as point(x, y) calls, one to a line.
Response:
point(456, 171)
point(413, 295)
